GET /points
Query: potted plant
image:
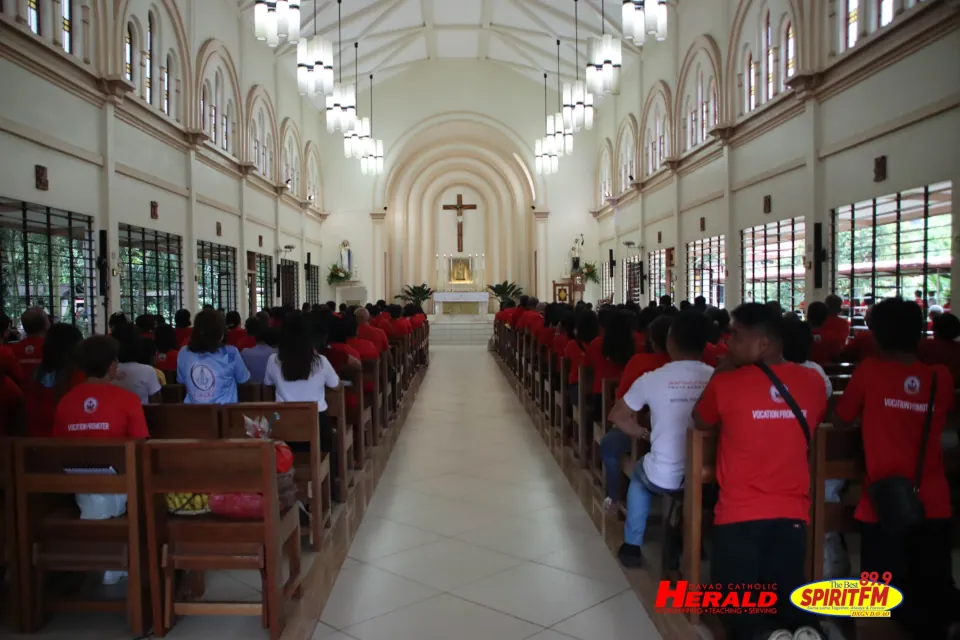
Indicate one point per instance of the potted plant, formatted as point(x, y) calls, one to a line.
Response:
point(336, 275)
point(589, 272)
point(417, 294)
point(505, 290)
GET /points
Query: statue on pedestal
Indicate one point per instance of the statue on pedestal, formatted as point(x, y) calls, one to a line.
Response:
point(346, 257)
point(575, 254)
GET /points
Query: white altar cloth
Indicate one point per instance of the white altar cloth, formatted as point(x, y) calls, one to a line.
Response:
point(461, 296)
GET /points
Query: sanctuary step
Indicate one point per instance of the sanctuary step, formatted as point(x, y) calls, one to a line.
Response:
point(460, 329)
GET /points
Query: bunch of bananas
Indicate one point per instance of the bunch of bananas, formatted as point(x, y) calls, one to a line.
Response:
point(187, 503)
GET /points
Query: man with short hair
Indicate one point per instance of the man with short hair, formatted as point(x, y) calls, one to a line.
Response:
point(368, 332)
point(761, 515)
point(29, 351)
point(830, 331)
point(670, 392)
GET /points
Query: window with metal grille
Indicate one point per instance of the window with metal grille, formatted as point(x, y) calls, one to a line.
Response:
point(606, 282)
point(151, 272)
point(47, 260)
point(217, 275)
point(128, 52)
point(33, 16)
point(313, 284)
point(771, 262)
point(894, 245)
point(263, 283)
point(659, 283)
point(290, 283)
point(67, 10)
point(706, 270)
point(630, 278)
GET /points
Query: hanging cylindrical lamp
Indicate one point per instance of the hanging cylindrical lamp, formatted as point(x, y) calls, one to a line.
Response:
point(304, 69)
point(260, 19)
point(283, 13)
point(661, 20)
point(293, 23)
point(588, 112)
point(273, 38)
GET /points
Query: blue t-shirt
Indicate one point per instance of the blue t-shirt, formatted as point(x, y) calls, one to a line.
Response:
point(211, 378)
point(256, 360)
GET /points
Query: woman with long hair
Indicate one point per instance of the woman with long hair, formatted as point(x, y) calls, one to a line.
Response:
point(210, 370)
point(132, 374)
point(588, 328)
point(183, 326)
point(56, 374)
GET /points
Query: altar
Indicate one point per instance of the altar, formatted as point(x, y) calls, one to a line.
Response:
point(461, 302)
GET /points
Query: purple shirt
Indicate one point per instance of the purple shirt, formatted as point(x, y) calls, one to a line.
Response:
point(256, 360)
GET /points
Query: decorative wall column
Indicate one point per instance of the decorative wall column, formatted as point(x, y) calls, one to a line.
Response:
point(378, 284)
point(542, 284)
point(732, 295)
point(55, 25)
point(190, 294)
point(814, 199)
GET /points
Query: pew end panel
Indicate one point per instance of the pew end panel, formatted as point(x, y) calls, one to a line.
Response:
point(343, 440)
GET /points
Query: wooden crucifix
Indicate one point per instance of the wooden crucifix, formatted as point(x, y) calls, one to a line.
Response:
point(459, 208)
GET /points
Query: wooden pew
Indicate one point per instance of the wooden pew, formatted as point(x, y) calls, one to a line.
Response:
point(250, 392)
point(373, 400)
point(837, 455)
point(561, 413)
point(183, 421)
point(701, 469)
point(583, 417)
point(210, 543)
point(608, 397)
point(10, 560)
point(294, 423)
point(342, 440)
point(173, 393)
point(53, 538)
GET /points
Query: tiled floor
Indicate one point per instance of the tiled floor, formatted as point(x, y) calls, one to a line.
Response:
point(474, 532)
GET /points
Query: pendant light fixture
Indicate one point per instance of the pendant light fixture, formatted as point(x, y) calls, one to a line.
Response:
point(273, 21)
point(564, 134)
point(547, 161)
point(315, 64)
point(351, 134)
point(371, 159)
point(605, 58)
point(642, 18)
point(341, 104)
point(575, 95)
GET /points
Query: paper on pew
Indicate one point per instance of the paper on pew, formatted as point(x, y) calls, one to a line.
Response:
point(91, 471)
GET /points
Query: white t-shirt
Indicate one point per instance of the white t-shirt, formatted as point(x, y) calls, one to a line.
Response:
point(810, 364)
point(137, 378)
point(310, 390)
point(670, 392)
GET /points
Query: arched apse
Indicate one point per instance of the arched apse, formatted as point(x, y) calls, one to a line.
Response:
point(473, 155)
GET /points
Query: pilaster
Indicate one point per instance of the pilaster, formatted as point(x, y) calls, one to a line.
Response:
point(542, 245)
point(378, 284)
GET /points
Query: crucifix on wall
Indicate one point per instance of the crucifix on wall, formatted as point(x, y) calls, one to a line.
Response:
point(459, 208)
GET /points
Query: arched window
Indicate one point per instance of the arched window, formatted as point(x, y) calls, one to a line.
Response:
point(313, 188)
point(225, 119)
point(215, 107)
point(702, 102)
point(149, 61)
point(166, 85)
point(661, 141)
point(204, 102)
point(790, 54)
point(67, 10)
point(714, 116)
point(651, 152)
point(128, 52)
point(885, 11)
point(850, 34)
point(626, 161)
point(33, 17)
point(268, 158)
point(768, 45)
point(750, 84)
point(261, 129)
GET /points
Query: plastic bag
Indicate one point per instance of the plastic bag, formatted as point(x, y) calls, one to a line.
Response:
point(187, 504)
point(239, 506)
point(99, 506)
point(260, 429)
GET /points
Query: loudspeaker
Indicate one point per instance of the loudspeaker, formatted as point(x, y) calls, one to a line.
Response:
point(613, 262)
point(819, 256)
point(278, 281)
point(103, 266)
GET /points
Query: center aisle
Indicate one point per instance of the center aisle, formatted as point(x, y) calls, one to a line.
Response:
point(474, 533)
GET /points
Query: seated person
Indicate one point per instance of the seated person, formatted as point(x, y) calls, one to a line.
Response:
point(56, 374)
point(862, 345)
point(566, 331)
point(140, 379)
point(588, 328)
point(296, 370)
point(256, 357)
point(210, 370)
point(146, 324)
point(943, 348)
point(148, 356)
point(237, 336)
point(29, 351)
point(830, 331)
point(183, 326)
point(890, 394)
point(608, 354)
point(168, 349)
point(96, 408)
point(763, 507)
point(653, 358)
point(670, 392)
point(11, 406)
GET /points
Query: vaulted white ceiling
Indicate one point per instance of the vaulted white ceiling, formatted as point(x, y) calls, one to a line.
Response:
point(395, 35)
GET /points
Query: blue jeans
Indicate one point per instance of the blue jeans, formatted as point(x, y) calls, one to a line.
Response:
point(614, 445)
point(639, 497)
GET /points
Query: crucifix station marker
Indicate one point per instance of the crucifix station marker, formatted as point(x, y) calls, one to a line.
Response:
point(459, 208)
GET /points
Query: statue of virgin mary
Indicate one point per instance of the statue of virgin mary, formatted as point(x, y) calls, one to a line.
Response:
point(346, 257)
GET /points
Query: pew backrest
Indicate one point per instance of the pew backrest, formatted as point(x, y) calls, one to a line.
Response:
point(180, 421)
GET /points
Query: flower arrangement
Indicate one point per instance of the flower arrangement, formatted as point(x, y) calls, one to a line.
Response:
point(336, 275)
point(589, 272)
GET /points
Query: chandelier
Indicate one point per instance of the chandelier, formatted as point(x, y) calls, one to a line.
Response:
point(577, 100)
point(371, 158)
point(545, 152)
point(341, 102)
point(640, 20)
point(315, 65)
point(563, 131)
point(604, 59)
point(275, 20)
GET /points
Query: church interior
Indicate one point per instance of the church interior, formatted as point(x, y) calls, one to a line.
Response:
point(433, 171)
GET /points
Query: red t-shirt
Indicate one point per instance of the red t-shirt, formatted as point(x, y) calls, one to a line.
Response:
point(9, 364)
point(944, 352)
point(239, 338)
point(602, 367)
point(762, 466)
point(367, 351)
point(640, 364)
point(99, 411)
point(545, 335)
point(574, 353)
point(401, 326)
point(514, 317)
point(337, 353)
point(417, 321)
point(183, 335)
point(640, 341)
point(892, 399)
point(860, 347)
point(29, 354)
point(524, 319)
point(535, 324)
point(168, 361)
point(501, 316)
point(559, 345)
point(375, 335)
point(40, 404)
point(710, 355)
point(829, 340)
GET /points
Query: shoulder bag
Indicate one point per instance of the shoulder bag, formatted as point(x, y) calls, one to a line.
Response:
point(782, 390)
